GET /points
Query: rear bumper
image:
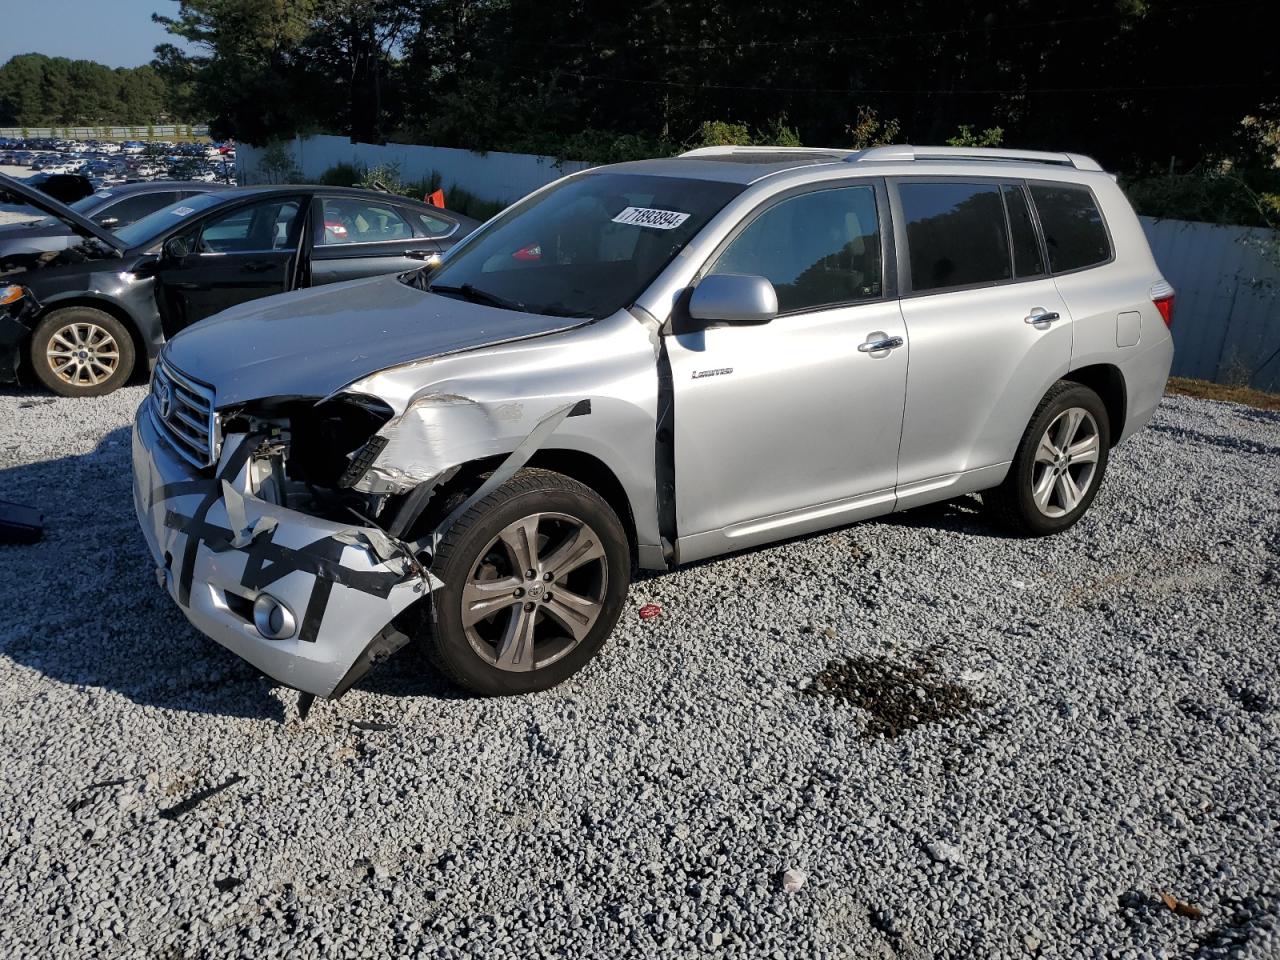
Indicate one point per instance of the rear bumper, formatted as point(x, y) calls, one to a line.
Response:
point(342, 583)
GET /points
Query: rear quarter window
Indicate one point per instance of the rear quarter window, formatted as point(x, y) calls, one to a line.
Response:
point(1073, 227)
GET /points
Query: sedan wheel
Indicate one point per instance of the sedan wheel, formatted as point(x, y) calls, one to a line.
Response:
point(81, 352)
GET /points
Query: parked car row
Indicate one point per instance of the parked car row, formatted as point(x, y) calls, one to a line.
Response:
point(107, 280)
point(130, 160)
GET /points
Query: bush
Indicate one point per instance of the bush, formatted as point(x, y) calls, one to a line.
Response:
point(1235, 196)
point(469, 205)
point(342, 175)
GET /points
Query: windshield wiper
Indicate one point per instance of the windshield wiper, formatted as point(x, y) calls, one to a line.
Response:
point(468, 292)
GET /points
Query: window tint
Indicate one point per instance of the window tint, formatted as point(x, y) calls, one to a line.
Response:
point(434, 226)
point(1027, 261)
point(352, 220)
point(816, 249)
point(135, 207)
point(955, 234)
point(261, 226)
point(1073, 227)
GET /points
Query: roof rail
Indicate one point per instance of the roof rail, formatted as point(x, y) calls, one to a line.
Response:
point(906, 153)
point(730, 149)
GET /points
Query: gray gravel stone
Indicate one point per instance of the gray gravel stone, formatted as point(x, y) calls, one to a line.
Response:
point(1126, 744)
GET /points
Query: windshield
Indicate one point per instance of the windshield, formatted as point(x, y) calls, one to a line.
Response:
point(149, 228)
point(585, 248)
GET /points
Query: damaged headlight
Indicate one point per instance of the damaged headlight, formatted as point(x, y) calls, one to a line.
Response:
point(324, 444)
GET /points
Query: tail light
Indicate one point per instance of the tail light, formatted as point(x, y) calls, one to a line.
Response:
point(1162, 297)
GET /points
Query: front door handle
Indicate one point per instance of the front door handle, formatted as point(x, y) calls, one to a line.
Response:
point(878, 341)
point(1041, 315)
point(259, 266)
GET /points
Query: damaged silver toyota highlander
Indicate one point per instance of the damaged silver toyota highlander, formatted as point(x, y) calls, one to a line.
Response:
point(639, 366)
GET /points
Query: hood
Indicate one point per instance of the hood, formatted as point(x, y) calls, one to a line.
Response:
point(47, 204)
point(312, 342)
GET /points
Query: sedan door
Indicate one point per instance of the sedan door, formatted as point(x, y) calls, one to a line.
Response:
point(989, 331)
point(793, 426)
point(355, 237)
point(232, 256)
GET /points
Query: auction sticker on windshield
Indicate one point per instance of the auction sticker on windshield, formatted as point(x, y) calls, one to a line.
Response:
point(648, 217)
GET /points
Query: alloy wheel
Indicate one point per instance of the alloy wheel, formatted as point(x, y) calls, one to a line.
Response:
point(1066, 462)
point(536, 591)
point(83, 354)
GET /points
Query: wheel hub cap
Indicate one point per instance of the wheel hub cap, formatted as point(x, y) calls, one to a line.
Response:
point(82, 354)
point(535, 592)
point(1066, 462)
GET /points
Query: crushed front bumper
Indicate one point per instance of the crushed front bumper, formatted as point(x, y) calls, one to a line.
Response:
point(218, 547)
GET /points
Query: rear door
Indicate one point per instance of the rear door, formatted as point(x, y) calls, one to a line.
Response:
point(235, 255)
point(989, 332)
point(354, 237)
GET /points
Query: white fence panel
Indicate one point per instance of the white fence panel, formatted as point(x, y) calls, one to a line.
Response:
point(1226, 324)
point(490, 176)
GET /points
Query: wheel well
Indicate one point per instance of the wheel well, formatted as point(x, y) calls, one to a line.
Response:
point(1108, 383)
point(583, 467)
point(141, 360)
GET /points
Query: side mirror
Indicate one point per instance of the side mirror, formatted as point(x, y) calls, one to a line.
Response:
point(731, 298)
point(177, 248)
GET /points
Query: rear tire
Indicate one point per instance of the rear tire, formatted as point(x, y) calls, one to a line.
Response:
point(1059, 465)
point(535, 576)
point(81, 352)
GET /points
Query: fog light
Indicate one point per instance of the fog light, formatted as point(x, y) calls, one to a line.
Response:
point(272, 618)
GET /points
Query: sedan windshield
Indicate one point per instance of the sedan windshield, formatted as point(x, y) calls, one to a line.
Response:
point(153, 225)
point(585, 248)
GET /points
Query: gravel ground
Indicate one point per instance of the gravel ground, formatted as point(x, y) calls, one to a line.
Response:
point(961, 744)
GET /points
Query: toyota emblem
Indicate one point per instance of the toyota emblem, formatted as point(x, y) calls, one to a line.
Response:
point(163, 399)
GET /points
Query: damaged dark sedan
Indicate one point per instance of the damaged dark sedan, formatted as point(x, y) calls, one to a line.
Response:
point(109, 300)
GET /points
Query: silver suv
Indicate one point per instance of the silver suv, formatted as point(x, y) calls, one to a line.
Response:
point(643, 365)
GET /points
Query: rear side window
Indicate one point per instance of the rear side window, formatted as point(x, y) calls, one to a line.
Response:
point(818, 249)
point(1072, 224)
point(956, 234)
point(1027, 261)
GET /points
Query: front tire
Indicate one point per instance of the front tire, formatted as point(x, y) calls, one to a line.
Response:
point(535, 576)
point(1059, 465)
point(81, 352)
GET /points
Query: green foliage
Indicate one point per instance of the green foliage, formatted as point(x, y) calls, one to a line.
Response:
point(870, 130)
point(1238, 195)
point(276, 165)
point(38, 91)
point(468, 204)
point(967, 136)
point(342, 175)
point(720, 133)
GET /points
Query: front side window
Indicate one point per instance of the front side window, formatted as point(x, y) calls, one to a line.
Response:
point(266, 225)
point(817, 249)
point(956, 234)
point(585, 248)
point(1072, 224)
point(352, 220)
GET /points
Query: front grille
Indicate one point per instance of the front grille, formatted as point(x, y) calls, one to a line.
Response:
point(182, 410)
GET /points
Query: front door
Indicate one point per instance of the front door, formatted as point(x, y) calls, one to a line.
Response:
point(989, 331)
point(248, 252)
point(793, 426)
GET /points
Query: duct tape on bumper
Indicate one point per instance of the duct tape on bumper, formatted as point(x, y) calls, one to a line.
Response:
point(220, 547)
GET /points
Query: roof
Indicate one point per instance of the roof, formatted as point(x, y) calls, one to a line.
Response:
point(746, 165)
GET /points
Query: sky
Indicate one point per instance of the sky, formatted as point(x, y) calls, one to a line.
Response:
point(118, 33)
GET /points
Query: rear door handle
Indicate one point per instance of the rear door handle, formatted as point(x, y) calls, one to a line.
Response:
point(1041, 315)
point(877, 342)
point(259, 266)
